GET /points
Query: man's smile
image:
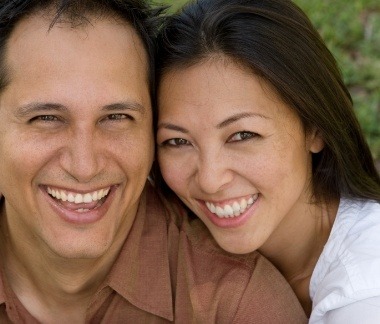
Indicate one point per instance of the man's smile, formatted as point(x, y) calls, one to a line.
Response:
point(79, 202)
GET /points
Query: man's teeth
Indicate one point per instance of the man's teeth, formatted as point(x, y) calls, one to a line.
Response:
point(235, 209)
point(78, 198)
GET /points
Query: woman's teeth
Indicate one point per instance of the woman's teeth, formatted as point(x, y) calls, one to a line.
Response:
point(232, 210)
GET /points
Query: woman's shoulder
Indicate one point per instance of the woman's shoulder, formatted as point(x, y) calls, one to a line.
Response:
point(355, 229)
point(354, 218)
point(355, 225)
point(349, 266)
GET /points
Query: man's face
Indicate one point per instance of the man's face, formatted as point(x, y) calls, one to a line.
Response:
point(76, 140)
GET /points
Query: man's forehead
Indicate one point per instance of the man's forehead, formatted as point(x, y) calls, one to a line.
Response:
point(104, 59)
point(48, 21)
point(34, 33)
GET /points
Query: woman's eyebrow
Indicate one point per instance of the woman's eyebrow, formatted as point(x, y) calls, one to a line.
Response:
point(224, 123)
point(237, 117)
point(173, 127)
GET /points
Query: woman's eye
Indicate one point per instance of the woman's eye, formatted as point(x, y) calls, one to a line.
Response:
point(241, 136)
point(176, 142)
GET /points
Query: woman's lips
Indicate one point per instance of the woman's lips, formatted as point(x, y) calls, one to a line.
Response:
point(233, 214)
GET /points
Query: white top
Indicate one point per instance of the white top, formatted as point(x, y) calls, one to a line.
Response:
point(345, 285)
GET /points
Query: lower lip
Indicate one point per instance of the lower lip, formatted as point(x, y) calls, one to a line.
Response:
point(83, 218)
point(231, 222)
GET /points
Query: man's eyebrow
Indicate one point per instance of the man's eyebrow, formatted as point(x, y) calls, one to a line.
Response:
point(34, 107)
point(237, 117)
point(40, 107)
point(125, 105)
point(173, 127)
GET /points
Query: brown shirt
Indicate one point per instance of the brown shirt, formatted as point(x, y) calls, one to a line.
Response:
point(170, 269)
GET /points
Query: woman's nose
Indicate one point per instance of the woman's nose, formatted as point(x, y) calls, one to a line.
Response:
point(213, 173)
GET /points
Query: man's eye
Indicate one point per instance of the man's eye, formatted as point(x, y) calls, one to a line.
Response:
point(45, 118)
point(241, 136)
point(176, 142)
point(119, 117)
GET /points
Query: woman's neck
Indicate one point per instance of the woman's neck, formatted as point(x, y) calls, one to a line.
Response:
point(295, 247)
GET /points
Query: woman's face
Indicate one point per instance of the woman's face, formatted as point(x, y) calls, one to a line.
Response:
point(233, 152)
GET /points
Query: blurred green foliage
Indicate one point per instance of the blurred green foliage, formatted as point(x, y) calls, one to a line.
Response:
point(351, 30)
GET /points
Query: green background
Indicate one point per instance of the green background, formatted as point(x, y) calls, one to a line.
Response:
point(351, 30)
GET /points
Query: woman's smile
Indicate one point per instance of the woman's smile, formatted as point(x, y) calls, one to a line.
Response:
point(223, 130)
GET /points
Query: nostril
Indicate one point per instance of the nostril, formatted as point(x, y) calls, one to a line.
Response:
point(212, 179)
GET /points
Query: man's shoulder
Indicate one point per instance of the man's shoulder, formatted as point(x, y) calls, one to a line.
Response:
point(213, 285)
point(243, 286)
point(186, 231)
point(192, 234)
point(167, 208)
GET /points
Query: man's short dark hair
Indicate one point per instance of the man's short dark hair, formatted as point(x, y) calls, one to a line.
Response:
point(137, 13)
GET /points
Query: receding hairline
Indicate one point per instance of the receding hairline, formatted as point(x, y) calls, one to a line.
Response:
point(54, 19)
point(75, 16)
point(87, 17)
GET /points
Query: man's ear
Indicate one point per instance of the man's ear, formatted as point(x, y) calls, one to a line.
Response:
point(316, 142)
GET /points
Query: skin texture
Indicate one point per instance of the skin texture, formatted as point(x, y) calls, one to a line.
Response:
point(224, 135)
point(75, 116)
point(215, 164)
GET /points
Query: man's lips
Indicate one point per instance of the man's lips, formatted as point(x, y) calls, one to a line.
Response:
point(78, 201)
point(80, 207)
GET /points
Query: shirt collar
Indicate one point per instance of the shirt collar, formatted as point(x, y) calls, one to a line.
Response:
point(141, 273)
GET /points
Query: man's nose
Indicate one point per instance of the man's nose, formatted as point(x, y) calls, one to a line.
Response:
point(83, 156)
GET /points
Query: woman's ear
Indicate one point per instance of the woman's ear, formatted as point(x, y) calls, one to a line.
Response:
point(316, 142)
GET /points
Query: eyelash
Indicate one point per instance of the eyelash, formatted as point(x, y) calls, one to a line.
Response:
point(179, 142)
point(52, 118)
point(45, 118)
point(245, 136)
point(119, 117)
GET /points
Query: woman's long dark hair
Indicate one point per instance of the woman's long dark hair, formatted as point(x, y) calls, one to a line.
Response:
point(276, 41)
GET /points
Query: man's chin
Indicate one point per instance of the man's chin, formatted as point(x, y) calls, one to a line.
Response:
point(77, 246)
point(79, 253)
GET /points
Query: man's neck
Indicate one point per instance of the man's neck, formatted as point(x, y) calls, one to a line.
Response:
point(47, 284)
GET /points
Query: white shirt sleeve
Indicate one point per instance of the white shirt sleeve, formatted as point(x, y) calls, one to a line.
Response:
point(345, 285)
point(361, 312)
